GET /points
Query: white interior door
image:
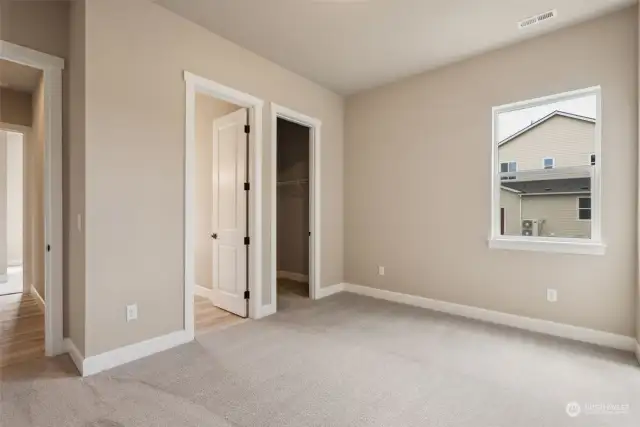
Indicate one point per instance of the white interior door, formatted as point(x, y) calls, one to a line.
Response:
point(230, 212)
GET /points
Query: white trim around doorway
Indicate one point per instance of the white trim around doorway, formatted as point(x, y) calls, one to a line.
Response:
point(51, 67)
point(314, 125)
point(196, 84)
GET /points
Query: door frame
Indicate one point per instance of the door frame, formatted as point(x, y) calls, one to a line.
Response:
point(51, 67)
point(314, 125)
point(197, 84)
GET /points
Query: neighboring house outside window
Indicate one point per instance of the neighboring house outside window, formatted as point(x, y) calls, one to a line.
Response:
point(564, 142)
point(584, 208)
point(508, 167)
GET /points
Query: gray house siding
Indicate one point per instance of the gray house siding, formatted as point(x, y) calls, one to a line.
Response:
point(569, 141)
point(559, 213)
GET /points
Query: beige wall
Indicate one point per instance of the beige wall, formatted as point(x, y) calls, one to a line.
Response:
point(15, 211)
point(15, 107)
point(637, 259)
point(403, 140)
point(560, 215)
point(293, 200)
point(569, 141)
point(74, 199)
point(135, 161)
point(37, 24)
point(3, 206)
point(207, 110)
point(34, 207)
point(510, 201)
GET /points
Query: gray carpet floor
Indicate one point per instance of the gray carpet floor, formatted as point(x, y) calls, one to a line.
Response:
point(346, 360)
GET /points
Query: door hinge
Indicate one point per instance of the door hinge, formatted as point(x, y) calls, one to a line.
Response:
point(247, 129)
point(246, 294)
point(247, 186)
point(48, 248)
point(247, 240)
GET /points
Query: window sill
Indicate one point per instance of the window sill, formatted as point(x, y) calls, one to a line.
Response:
point(561, 246)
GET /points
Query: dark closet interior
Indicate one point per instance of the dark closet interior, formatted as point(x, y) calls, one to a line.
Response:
point(293, 208)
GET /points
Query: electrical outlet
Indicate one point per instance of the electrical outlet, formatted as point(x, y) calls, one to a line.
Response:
point(132, 312)
point(380, 270)
point(552, 295)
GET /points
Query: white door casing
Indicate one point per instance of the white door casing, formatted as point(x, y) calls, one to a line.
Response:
point(229, 214)
point(195, 84)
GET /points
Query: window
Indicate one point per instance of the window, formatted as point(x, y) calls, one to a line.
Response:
point(584, 208)
point(507, 167)
point(563, 201)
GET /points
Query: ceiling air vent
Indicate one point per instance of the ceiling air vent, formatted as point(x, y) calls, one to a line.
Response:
point(534, 20)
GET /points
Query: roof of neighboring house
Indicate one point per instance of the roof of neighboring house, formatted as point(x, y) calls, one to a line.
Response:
point(544, 119)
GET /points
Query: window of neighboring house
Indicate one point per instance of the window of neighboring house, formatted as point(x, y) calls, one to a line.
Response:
point(507, 167)
point(521, 188)
point(584, 208)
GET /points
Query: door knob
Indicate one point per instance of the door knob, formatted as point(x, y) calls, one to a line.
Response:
point(214, 235)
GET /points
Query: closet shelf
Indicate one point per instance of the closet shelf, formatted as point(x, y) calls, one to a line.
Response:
point(293, 182)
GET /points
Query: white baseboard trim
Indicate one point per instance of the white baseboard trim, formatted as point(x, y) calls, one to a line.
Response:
point(298, 277)
point(4, 278)
point(41, 304)
point(74, 353)
point(330, 290)
point(576, 333)
point(203, 292)
point(120, 356)
point(267, 310)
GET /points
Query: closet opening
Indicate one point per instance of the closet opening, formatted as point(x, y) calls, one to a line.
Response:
point(293, 212)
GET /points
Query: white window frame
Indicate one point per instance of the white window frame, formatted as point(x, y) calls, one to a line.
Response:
point(508, 163)
point(508, 171)
point(578, 209)
point(592, 246)
point(553, 162)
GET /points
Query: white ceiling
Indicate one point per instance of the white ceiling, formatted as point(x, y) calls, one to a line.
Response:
point(351, 45)
point(19, 77)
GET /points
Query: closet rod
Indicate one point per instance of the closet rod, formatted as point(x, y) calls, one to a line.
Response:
point(295, 181)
